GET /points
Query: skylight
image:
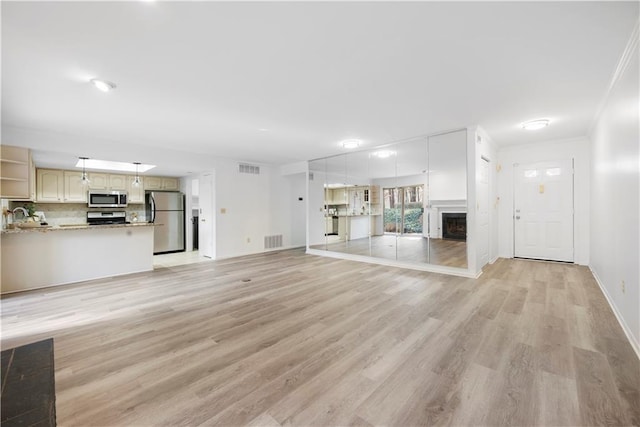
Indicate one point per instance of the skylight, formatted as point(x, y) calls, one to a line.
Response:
point(114, 166)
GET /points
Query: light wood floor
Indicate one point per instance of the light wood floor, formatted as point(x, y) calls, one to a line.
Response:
point(321, 341)
point(450, 253)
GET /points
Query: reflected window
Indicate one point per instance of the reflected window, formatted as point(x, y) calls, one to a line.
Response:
point(403, 209)
point(531, 173)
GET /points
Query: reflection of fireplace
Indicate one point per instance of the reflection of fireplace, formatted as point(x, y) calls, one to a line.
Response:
point(454, 226)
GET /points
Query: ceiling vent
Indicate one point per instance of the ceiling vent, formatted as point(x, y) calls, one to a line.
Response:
point(250, 169)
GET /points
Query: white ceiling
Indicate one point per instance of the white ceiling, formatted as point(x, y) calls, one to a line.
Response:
point(197, 80)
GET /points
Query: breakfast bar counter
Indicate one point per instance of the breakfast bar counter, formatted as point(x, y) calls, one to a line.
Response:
point(40, 257)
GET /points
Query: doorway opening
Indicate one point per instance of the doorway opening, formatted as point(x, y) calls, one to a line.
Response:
point(195, 212)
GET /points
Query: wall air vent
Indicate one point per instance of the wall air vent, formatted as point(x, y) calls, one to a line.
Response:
point(250, 169)
point(274, 241)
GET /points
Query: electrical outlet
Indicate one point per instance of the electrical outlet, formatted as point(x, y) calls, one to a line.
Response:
point(248, 239)
point(622, 286)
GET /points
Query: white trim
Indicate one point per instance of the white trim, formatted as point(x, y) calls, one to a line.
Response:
point(265, 251)
point(623, 324)
point(393, 263)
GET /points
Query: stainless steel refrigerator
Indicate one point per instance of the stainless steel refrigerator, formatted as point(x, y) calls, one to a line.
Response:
point(166, 208)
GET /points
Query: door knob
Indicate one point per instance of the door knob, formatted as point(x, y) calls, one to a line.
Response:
point(203, 220)
point(518, 217)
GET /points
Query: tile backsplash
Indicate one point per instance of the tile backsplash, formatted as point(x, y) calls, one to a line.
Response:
point(76, 213)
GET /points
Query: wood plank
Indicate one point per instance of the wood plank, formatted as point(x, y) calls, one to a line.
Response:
point(597, 392)
point(320, 341)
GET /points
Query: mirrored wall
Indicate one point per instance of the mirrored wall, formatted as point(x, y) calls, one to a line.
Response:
point(404, 202)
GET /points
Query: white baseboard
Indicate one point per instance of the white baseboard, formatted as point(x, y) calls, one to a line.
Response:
point(393, 263)
point(623, 324)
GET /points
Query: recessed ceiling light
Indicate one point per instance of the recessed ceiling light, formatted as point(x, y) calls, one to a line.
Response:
point(383, 154)
point(114, 166)
point(351, 143)
point(263, 130)
point(103, 85)
point(535, 124)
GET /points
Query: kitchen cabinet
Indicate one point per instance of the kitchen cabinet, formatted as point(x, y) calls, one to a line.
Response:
point(105, 181)
point(118, 182)
point(136, 193)
point(337, 196)
point(17, 173)
point(50, 186)
point(98, 181)
point(161, 183)
point(74, 189)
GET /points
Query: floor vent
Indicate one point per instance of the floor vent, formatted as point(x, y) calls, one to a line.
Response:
point(274, 241)
point(247, 168)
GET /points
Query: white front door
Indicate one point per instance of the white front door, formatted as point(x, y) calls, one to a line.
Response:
point(206, 228)
point(543, 210)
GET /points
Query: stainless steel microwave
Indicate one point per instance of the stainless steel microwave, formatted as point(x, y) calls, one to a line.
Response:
point(107, 199)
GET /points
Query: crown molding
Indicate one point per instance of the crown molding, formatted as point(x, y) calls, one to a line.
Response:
point(630, 50)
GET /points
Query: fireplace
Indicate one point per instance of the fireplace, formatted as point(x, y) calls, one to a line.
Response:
point(454, 225)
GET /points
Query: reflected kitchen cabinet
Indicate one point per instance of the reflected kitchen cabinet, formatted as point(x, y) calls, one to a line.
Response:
point(338, 196)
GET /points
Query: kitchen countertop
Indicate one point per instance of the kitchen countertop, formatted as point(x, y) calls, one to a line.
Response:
point(46, 228)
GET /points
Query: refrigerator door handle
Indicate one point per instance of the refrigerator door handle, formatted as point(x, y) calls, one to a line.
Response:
point(153, 208)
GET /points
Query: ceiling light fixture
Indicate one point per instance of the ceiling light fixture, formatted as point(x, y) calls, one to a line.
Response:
point(136, 180)
point(535, 124)
point(103, 85)
point(85, 177)
point(350, 143)
point(114, 166)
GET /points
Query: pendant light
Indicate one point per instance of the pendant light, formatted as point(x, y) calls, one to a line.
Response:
point(85, 177)
point(136, 180)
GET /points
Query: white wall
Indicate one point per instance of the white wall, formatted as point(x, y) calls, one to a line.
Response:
point(256, 206)
point(615, 176)
point(578, 149)
point(448, 166)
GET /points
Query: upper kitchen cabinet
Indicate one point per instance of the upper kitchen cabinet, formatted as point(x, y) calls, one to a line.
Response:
point(338, 196)
point(136, 192)
point(118, 182)
point(161, 183)
point(74, 189)
point(56, 186)
point(104, 181)
point(17, 173)
point(98, 181)
point(50, 187)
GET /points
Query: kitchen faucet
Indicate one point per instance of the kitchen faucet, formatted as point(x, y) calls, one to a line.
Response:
point(25, 213)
